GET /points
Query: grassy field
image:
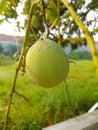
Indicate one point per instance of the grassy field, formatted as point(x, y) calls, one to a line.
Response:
point(47, 106)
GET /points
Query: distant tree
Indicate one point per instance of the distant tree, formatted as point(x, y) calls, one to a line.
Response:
point(80, 55)
point(1, 49)
point(11, 49)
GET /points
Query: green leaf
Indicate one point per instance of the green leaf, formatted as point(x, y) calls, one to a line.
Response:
point(14, 3)
point(36, 1)
point(51, 11)
point(67, 15)
point(35, 21)
point(1, 20)
point(3, 5)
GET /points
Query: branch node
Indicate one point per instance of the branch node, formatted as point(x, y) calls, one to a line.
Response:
point(21, 95)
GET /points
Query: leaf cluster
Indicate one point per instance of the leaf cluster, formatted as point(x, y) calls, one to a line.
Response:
point(8, 9)
point(56, 16)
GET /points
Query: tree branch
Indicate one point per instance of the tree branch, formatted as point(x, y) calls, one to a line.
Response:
point(18, 66)
point(76, 39)
point(21, 95)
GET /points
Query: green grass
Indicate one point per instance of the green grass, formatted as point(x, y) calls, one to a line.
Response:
point(47, 106)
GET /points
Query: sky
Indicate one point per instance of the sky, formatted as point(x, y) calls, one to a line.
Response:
point(10, 28)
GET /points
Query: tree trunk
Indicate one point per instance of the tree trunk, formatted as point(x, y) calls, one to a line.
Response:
point(85, 31)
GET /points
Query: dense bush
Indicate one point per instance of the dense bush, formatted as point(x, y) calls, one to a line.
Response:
point(5, 60)
point(1, 49)
point(11, 49)
point(80, 55)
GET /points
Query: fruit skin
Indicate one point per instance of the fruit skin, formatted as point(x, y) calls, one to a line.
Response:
point(47, 63)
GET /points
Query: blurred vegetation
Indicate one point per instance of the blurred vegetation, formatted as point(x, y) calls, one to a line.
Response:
point(5, 60)
point(10, 50)
point(47, 106)
point(80, 55)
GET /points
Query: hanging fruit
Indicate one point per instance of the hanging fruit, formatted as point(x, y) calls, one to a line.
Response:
point(46, 63)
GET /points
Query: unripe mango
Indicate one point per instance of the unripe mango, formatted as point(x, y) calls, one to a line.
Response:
point(46, 63)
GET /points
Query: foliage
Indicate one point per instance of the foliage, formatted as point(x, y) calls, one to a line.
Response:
point(8, 9)
point(11, 49)
point(5, 60)
point(47, 106)
point(68, 25)
point(1, 49)
point(80, 55)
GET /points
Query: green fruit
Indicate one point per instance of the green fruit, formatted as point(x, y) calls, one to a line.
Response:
point(47, 63)
point(35, 21)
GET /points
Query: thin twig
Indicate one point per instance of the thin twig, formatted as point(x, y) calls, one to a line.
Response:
point(23, 66)
point(59, 23)
point(10, 98)
point(73, 62)
point(21, 95)
point(53, 24)
point(34, 34)
point(68, 98)
point(67, 92)
point(44, 19)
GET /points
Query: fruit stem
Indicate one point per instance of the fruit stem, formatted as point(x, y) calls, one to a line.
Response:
point(58, 10)
point(44, 20)
point(18, 66)
point(68, 98)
